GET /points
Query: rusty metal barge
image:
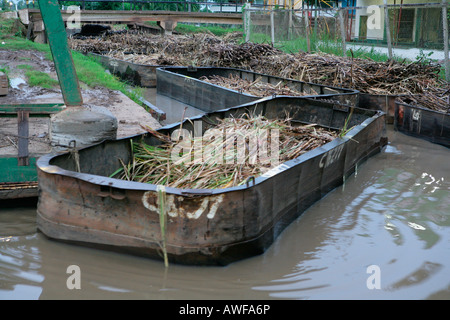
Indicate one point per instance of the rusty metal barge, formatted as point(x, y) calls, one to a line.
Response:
point(185, 84)
point(204, 226)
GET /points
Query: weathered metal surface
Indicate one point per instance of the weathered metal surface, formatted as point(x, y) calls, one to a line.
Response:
point(23, 134)
point(385, 103)
point(205, 227)
point(62, 57)
point(183, 84)
point(33, 109)
point(18, 175)
point(423, 123)
point(17, 181)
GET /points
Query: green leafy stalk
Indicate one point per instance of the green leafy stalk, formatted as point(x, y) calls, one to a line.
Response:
point(163, 221)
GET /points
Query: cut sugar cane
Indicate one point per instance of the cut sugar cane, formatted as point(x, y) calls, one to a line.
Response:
point(239, 149)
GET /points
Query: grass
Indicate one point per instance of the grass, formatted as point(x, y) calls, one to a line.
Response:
point(4, 69)
point(24, 67)
point(330, 46)
point(217, 30)
point(40, 79)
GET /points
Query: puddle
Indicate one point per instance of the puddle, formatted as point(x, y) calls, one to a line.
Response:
point(16, 82)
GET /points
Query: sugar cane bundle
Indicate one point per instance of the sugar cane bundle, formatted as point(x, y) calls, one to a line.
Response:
point(255, 88)
point(238, 149)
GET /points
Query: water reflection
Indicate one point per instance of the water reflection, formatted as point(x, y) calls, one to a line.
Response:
point(397, 218)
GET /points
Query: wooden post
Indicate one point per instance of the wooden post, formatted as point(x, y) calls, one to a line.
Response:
point(388, 29)
point(445, 29)
point(342, 25)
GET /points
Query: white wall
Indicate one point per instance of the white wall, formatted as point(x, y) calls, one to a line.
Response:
point(377, 34)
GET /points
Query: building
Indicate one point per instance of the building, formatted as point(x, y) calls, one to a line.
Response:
point(419, 26)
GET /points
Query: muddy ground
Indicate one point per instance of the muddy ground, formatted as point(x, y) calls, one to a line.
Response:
point(129, 115)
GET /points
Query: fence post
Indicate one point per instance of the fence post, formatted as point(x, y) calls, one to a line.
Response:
point(272, 27)
point(341, 22)
point(291, 8)
point(247, 22)
point(388, 29)
point(305, 16)
point(445, 29)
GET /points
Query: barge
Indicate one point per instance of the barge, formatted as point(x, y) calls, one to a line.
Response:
point(185, 85)
point(80, 203)
point(423, 123)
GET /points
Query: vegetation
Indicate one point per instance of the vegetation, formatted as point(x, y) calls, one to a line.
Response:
point(218, 30)
point(40, 79)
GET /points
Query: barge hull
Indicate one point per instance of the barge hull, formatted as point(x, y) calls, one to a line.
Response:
point(205, 226)
point(426, 124)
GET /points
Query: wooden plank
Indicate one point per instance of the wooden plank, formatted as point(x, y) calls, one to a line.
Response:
point(23, 133)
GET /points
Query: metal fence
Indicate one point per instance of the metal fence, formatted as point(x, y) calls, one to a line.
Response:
point(412, 31)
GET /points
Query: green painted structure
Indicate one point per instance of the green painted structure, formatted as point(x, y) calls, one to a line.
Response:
point(18, 174)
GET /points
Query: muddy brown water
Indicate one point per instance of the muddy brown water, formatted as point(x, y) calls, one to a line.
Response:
point(384, 234)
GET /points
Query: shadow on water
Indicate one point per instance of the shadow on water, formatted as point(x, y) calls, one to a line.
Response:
point(14, 203)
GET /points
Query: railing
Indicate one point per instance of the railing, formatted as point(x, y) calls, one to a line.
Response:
point(189, 6)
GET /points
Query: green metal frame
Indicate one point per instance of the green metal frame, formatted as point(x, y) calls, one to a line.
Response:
point(62, 56)
point(12, 169)
point(16, 173)
point(40, 109)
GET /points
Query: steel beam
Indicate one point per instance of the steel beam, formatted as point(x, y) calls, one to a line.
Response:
point(62, 57)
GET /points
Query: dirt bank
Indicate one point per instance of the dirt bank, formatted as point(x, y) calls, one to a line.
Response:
point(129, 115)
